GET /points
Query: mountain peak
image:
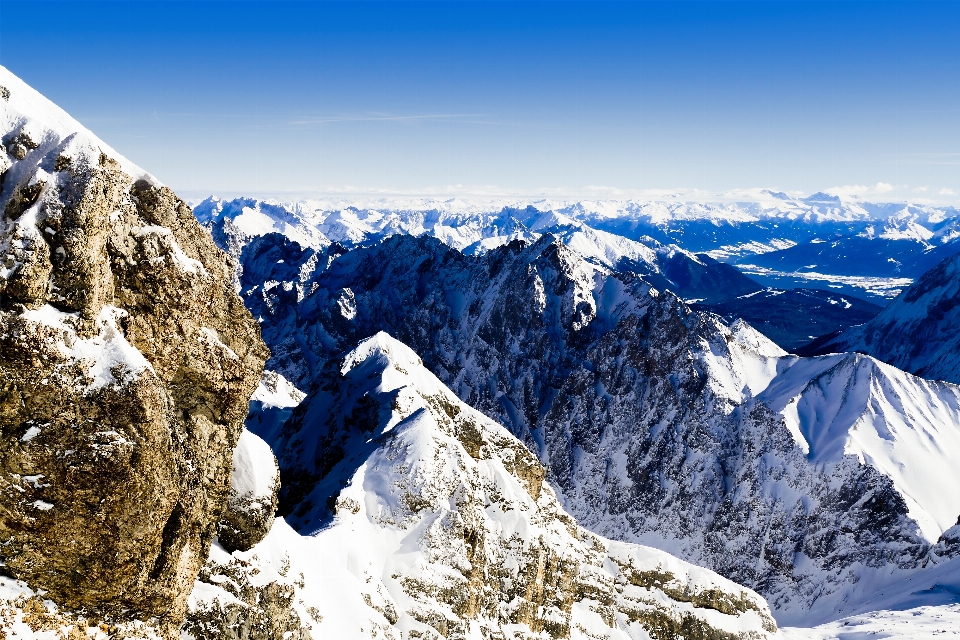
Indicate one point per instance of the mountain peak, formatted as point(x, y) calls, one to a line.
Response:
point(37, 125)
point(822, 198)
point(381, 351)
point(457, 528)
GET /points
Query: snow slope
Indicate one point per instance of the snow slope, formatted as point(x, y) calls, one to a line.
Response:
point(906, 427)
point(922, 605)
point(32, 125)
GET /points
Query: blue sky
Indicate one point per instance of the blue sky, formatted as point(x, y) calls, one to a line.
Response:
point(516, 98)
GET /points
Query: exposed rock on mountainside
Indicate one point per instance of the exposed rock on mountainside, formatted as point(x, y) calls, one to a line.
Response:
point(918, 332)
point(436, 522)
point(126, 363)
point(242, 596)
point(659, 424)
point(949, 543)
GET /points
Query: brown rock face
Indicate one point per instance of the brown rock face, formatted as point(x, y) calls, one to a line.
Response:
point(126, 365)
point(263, 609)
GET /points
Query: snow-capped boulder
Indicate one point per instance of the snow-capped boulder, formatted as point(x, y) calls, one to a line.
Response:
point(435, 521)
point(126, 362)
point(254, 484)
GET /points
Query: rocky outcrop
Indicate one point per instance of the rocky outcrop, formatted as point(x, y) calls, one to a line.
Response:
point(242, 597)
point(126, 364)
point(436, 522)
point(949, 543)
point(29, 615)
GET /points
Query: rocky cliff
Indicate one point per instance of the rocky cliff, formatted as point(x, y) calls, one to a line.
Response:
point(126, 366)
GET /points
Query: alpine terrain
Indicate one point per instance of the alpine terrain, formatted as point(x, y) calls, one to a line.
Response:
point(918, 332)
point(441, 419)
point(137, 506)
point(798, 477)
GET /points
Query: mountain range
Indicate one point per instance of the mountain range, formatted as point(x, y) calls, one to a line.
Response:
point(517, 421)
point(553, 346)
point(676, 247)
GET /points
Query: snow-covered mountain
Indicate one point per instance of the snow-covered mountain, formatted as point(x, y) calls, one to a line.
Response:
point(238, 223)
point(918, 332)
point(761, 222)
point(567, 409)
point(846, 246)
point(420, 517)
point(656, 423)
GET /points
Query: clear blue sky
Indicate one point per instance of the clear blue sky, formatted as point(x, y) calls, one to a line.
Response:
point(301, 97)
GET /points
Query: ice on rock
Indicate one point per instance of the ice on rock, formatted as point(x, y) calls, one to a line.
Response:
point(104, 355)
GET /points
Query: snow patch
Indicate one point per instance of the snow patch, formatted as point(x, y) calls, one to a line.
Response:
point(255, 471)
point(105, 355)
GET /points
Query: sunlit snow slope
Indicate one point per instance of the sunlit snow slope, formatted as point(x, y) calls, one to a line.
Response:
point(906, 427)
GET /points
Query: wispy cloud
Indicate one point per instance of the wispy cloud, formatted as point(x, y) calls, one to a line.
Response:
point(861, 190)
point(929, 158)
point(947, 192)
point(465, 117)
